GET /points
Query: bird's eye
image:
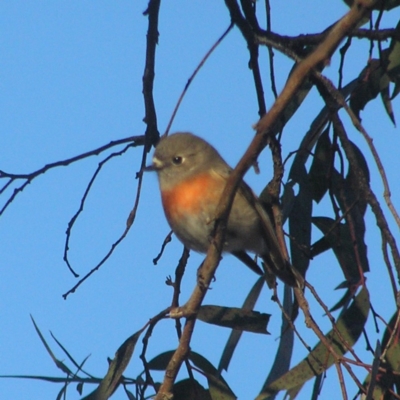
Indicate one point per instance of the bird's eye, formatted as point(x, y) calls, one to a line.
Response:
point(177, 160)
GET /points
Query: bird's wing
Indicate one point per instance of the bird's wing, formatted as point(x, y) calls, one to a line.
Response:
point(274, 257)
point(248, 261)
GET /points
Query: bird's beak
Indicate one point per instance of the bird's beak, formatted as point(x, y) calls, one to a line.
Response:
point(149, 168)
point(155, 166)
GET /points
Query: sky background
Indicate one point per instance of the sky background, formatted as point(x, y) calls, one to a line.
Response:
point(71, 81)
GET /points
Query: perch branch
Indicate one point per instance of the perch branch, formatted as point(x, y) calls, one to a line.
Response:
point(321, 54)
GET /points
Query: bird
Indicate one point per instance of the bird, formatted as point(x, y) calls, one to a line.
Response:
point(192, 176)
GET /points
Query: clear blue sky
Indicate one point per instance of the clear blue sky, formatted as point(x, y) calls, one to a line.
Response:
point(70, 81)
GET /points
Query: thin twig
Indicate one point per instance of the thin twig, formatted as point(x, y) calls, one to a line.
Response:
point(150, 117)
point(151, 325)
point(209, 52)
point(135, 140)
point(151, 134)
point(341, 381)
point(83, 200)
point(210, 264)
point(270, 51)
point(167, 239)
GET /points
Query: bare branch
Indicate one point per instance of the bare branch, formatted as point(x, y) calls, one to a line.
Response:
point(210, 264)
point(135, 140)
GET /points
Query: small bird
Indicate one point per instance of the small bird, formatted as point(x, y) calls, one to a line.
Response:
point(192, 176)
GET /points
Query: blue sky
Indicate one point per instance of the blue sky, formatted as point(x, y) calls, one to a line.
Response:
point(70, 79)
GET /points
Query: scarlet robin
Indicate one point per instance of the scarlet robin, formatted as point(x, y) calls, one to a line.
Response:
point(192, 176)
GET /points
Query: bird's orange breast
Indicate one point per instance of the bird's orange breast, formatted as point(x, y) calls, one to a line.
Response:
point(191, 196)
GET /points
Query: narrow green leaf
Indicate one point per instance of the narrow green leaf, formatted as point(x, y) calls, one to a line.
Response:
point(340, 239)
point(53, 379)
point(396, 90)
point(235, 318)
point(393, 67)
point(190, 389)
point(130, 395)
point(294, 103)
point(391, 362)
point(344, 301)
point(350, 325)
point(219, 390)
point(62, 393)
point(217, 384)
point(293, 392)
point(374, 372)
point(369, 86)
point(381, 4)
point(58, 363)
point(387, 4)
point(393, 353)
point(317, 128)
point(218, 387)
point(386, 100)
point(321, 167)
point(79, 366)
point(319, 247)
point(160, 361)
point(352, 179)
point(300, 220)
point(202, 363)
point(235, 335)
point(79, 388)
point(115, 370)
point(287, 200)
point(285, 349)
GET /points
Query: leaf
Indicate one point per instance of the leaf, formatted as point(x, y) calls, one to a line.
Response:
point(79, 388)
point(235, 318)
point(321, 167)
point(235, 335)
point(287, 200)
point(130, 395)
point(319, 247)
point(387, 4)
point(219, 389)
point(352, 186)
point(190, 389)
point(300, 220)
point(79, 366)
point(339, 237)
point(58, 363)
point(317, 128)
point(393, 64)
point(381, 4)
point(217, 384)
point(374, 371)
point(376, 78)
point(62, 393)
point(386, 100)
point(110, 382)
point(369, 86)
point(160, 362)
point(294, 103)
point(393, 352)
point(285, 350)
point(350, 325)
point(47, 378)
point(386, 382)
point(394, 53)
point(353, 205)
point(344, 301)
point(202, 363)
